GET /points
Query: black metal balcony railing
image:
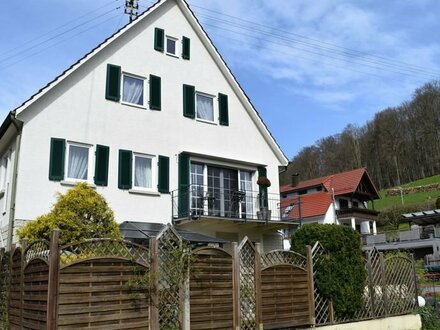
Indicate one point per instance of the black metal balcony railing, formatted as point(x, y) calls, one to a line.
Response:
point(195, 201)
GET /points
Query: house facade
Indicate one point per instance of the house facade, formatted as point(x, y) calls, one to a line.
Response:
point(154, 120)
point(335, 199)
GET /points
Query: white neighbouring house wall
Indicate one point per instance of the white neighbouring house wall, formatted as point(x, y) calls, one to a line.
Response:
point(75, 109)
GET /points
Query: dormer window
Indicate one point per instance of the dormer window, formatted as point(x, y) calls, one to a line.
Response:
point(171, 46)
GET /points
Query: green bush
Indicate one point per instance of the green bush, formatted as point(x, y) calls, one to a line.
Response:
point(430, 317)
point(80, 214)
point(437, 203)
point(341, 274)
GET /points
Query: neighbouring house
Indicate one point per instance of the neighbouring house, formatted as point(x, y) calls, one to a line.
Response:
point(340, 198)
point(155, 121)
point(422, 239)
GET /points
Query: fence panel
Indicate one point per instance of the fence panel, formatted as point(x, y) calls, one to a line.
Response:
point(400, 282)
point(36, 275)
point(15, 305)
point(285, 290)
point(5, 260)
point(94, 286)
point(211, 296)
point(247, 290)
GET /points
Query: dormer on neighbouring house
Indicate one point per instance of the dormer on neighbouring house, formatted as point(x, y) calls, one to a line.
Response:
point(340, 198)
point(154, 120)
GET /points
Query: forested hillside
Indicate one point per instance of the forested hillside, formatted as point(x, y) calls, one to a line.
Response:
point(398, 145)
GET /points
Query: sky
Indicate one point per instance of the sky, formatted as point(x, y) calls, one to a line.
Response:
point(309, 67)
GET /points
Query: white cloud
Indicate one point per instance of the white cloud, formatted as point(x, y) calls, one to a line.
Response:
point(335, 22)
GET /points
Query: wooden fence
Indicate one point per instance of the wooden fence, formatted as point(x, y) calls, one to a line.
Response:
point(109, 284)
point(89, 285)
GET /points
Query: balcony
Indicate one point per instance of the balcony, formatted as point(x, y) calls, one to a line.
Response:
point(358, 213)
point(198, 201)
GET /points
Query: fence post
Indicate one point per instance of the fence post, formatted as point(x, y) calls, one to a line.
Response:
point(384, 288)
point(258, 297)
point(416, 289)
point(24, 246)
point(154, 284)
point(371, 287)
point(236, 286)
point(331, 310)
point(53, 285)
point(311, 285)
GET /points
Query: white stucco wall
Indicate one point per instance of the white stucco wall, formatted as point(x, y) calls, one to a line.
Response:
point(76, 110)
point(5, 190)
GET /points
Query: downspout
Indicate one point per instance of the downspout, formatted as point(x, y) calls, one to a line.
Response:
point(18, 126)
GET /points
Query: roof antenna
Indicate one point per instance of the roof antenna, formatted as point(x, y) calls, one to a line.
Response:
point(131, 9)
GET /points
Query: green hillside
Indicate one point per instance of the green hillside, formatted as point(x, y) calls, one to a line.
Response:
point(418, 197)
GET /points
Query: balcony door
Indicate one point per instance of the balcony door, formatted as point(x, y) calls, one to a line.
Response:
point(221, 192)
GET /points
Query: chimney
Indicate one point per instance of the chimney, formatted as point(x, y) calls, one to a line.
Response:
point(295, 179)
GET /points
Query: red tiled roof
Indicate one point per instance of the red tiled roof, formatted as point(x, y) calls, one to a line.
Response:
point(342, 183)
point(312, 205)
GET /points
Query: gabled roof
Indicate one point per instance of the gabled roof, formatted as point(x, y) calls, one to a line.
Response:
point(312, 205)
point(183, 5)
point(339, 183)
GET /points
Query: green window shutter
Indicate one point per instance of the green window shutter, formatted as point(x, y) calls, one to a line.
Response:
point(263, 190)
point(159, 39)
point(186, 49)
point(125, 167)
point(164, 175)
point(189, 101)
point(184, 184)
point(56, 161)
point(101, 165)
point(113, 83)
point(155, 93)
point(223, 109)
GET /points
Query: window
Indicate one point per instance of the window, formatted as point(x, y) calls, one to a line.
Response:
point(132, 90)
point(343, 204)
point(171, 46)
point(205, 107)
point(224, 192)
point(143, 171)
point(4, 172)
point(78, 158)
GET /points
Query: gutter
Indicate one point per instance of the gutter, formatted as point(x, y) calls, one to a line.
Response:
point(19, 127)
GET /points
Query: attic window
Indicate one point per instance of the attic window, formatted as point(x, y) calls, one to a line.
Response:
point(132, 90)
point(171, 46)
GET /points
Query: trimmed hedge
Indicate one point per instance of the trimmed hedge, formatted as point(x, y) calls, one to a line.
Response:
point(341, 275)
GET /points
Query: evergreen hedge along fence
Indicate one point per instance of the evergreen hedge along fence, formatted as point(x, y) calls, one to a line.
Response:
point(110, 284)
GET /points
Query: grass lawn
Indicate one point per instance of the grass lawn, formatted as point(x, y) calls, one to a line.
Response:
point(387, 201)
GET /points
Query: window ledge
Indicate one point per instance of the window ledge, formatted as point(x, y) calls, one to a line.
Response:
point(143, 192)
point(207, 121)
point(133, 105)
point(172, 55)
point(74, 183)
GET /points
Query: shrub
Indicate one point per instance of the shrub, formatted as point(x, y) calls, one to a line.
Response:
point(437, 203)
point(430, 318)
point(341, 274)
point(391, 217)
point(80, 214)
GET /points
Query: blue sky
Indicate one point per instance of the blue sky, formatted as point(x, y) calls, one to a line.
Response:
point(309, 67)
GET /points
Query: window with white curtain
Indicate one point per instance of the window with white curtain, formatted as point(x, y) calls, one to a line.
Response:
point(78, 158)
point(205, 107)
point(132, 90)
point(143, 171)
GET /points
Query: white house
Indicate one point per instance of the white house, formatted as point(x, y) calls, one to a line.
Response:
point(154, 120)
point(339, 198)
